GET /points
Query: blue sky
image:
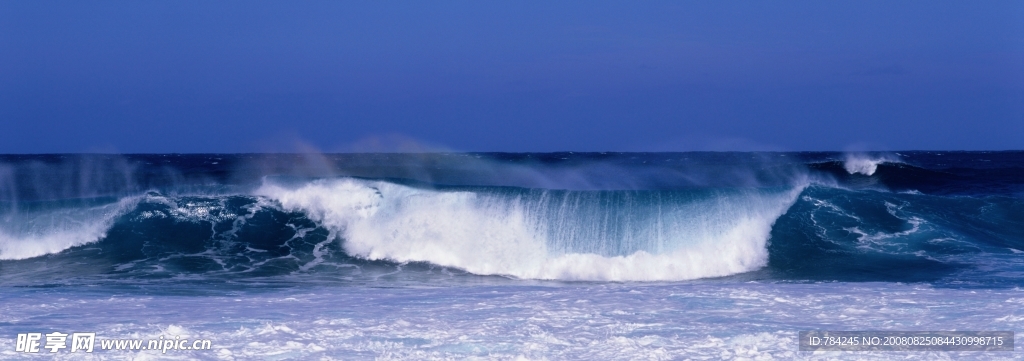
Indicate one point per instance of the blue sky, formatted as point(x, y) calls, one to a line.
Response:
point(234, 76)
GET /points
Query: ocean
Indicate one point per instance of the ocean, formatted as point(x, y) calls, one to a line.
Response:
point(508, 256)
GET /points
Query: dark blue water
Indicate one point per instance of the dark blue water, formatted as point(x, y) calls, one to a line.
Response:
point(946, 218)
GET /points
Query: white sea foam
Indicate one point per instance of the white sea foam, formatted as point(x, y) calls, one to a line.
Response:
point(565, 236)
point(865, 164)
point(605, 321)
point(27, 235)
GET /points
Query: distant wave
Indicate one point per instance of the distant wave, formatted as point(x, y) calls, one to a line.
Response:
point(866, 164)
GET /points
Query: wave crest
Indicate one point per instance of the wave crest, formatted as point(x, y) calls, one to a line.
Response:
point(541, 234)
point(866, 164)
point(32, 234)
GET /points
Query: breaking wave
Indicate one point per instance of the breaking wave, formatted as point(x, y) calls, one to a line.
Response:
point(866, 164)
point(36, 233)
point(742, 216)
point(545, 234)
